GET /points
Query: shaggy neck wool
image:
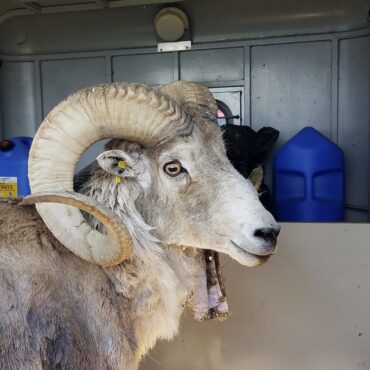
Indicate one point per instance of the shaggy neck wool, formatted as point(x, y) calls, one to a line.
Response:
point(158, 280)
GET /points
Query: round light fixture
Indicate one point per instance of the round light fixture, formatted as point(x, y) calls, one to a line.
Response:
point(171, 24)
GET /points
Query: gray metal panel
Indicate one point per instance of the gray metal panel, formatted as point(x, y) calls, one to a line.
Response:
point(356, 216)
point(60, 78)
point(291, 89)
point(63, 77)
point(1, 125)
point(152, 69)
point(17, 98)
point(80, 31)
point(212, 65)
point(354, 116)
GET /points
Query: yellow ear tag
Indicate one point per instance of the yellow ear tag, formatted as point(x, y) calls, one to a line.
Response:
point(122, 164)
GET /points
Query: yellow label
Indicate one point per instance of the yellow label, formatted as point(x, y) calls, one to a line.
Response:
point(8, 187)
point(122, 164)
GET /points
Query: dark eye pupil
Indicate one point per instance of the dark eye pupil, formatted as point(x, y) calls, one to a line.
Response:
point(173, 169)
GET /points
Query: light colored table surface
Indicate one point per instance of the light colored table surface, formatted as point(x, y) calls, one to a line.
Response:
point(307, 309)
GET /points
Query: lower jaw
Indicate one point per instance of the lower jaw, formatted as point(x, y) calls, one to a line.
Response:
point(251, 259)
point(258, 260)
point(262, 259)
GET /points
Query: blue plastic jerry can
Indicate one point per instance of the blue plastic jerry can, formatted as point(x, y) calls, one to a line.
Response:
point(14, 154)
point(309, 179)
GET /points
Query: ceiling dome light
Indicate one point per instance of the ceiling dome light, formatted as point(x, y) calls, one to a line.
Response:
point(171, 24)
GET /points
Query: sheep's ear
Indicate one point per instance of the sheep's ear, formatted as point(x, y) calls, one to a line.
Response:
point(120, 163)
point(256, 177)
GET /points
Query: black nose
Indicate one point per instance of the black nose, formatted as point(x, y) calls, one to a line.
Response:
point(267, 234)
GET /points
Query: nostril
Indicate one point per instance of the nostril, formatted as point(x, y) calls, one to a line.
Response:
point(268, 234)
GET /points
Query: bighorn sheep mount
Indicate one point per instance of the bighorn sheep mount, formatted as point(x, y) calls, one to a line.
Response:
point(158, 200)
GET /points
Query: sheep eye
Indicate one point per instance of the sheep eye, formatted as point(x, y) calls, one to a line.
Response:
point(173, 169)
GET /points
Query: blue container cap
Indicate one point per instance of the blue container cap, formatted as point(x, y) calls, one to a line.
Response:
point(308, 139)
point(6, 145)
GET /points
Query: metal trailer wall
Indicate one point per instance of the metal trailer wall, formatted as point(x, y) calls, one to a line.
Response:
point(289, 82)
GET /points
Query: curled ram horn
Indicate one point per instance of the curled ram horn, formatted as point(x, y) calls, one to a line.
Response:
point(91, 249)
point(133, 112)
point(192, 96)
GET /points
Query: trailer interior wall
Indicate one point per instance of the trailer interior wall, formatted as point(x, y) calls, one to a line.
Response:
point(297, 64)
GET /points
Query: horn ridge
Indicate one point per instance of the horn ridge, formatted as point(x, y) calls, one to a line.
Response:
point(185, 93)
point(129, 111)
